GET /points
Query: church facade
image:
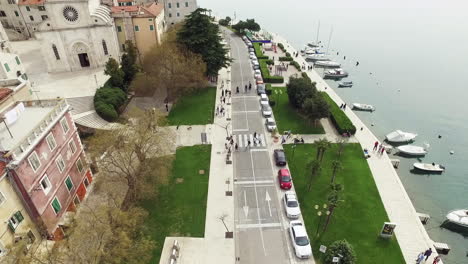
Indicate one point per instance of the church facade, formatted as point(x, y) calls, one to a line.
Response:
point(77, 35)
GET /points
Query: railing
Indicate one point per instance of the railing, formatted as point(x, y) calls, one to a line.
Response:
point(23, 145)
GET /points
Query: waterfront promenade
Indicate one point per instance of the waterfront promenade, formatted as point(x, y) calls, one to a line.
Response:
point(410, 233)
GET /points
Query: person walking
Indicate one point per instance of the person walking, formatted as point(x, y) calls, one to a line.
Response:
point(167, 107)
point(237, 89)
point(250, 86)
point(420, 258)
point(376, 145)
point(344, 106)
point(255, 134)
point(436, 260)
point(382, 150)
point(224, 100)
point(236, 147)
point(428, 253)
point(217, 110)
point(245, 88)
point(222, 93)
point(248, 144)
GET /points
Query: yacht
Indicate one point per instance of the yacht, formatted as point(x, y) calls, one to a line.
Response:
point(327, 64)
point(399, 136)
point(335, 74)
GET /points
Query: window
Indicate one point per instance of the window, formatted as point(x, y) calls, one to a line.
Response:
point(31, 18)
point(186, 4)
point(17, 60)
point(34, 161)
point(15, 220)
point(178, 14)
point(51, 141)
point(2, 198)
point(104, 47)
point(72, 146)
point(44, 17)
point(16, 13)
point(151, 27)
point(46, 185)
point(28, 9)
point(150, 19)
point(69, 183)
point(86, 183)
point(31, 237)
point(169, 5)
point(64, 125)
point(76, 200)
point(170, 15)
point(79, 165)
point(60, 163)
point(57, 56)
point(119, 29)
point(56, 205)
point(137, 28)
point(7, 68)
point(177, 4)
point(2, 13)
point(41, 8)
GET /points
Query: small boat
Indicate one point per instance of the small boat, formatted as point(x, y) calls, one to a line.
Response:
point(327, 64)
point(458, 217)
point(430, 167)
point(363, 107)
point(313, 44)
point(412, 150)
point(399, 136)
point(345, 84)
point(317, 57)
point(335, 74)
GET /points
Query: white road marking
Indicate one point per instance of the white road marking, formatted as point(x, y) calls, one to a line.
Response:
point(258, 206)
point(239, 141)
point(246, 226)
point(268, 200)
point(262, 140)
point(246, 208)
point(241, 112)
point(258, 150)
point(240, 130)
point(251, 182)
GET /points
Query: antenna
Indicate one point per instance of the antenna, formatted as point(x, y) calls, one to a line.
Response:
point(329, 38)
point(318, 31)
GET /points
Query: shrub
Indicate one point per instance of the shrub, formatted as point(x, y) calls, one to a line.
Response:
point(269, 62)
point(288, 54)
point(258, 51)
point(272, 103)
point(107, 102)
point(267, 78)
point(268, 89)
point(285, 58)
point(106, 111)
point(343, 248)
point(281, 46)
point(339, 119)
point(295, 64)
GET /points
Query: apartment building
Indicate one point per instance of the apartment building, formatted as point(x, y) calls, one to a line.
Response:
point(176, 10)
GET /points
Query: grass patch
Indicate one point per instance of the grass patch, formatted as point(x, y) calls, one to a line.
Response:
point(180, 206)
point(287, 117)
point(194, 109)
point(339, 119)
point(359, 218)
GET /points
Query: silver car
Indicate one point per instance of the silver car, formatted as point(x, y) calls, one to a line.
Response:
point(270, 124)
point(266, 109)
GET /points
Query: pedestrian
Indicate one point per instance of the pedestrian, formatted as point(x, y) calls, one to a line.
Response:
point(224, 100)
point(341, 106)
point(237, 89)
point(167, 108)
point(232, 140)
point(436, 260)
point(255, 134)
point(428, 253)
point(420, 258)
point(222, 93)
point(376, 145)
point(217, 110)
point(382, 150)
point(226, 146)
point(236, 146)
point(245, 88)
point(248, 143)
point(344, 106)
point(287, 66)
point(283, 140)
point(250, 85)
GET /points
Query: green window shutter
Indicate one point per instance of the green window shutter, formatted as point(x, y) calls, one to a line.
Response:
point(19, 217)
point(119, 28)
point(17, 60)
point(151, 27)
point(69, 183)
point(7, 68)
point(56, 205)
point(10, 225)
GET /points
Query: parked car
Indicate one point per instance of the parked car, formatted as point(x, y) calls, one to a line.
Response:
point(263, 98)
point(284, 179)
point(280, 157)
point(257, 73)
point(270, 124)
point(251, 50)
point(252, 57)
point(291, 205)
point(261, 89)
point(258, 80)
point(266, 109)
point(300, 239)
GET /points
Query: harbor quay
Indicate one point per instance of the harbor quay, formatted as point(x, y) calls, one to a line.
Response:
point(410, 232)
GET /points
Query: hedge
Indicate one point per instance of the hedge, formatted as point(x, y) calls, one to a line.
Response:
point(268, 89)
point(305, 76)
point(269, 62)
point(295, 64)
point(281, 46)
point(267, 78)
point(338, 117)
point(285, 58)
point(258, 51)
point(107, 102)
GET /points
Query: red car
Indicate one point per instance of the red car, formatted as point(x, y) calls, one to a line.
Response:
point(284, 179)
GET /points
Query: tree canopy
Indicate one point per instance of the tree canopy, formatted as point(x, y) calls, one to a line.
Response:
point(201, 36)
point(249, 24)
point(225, 21)
point(303, 95)
point(343, 248)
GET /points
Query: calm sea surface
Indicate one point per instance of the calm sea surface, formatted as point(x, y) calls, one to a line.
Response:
point(413, 69)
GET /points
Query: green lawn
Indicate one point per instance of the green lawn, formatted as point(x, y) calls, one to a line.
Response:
point(287, 118)
point(180, 208)
point(194, 109)
point(359, 218)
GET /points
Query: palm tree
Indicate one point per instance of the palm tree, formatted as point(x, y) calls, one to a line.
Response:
point(322, 145)
point(341, 146)
point(336, 166)
point(333, 201)
point(314, 168)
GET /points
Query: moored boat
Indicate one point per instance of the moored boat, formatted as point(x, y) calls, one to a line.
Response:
point(412, 150)
point(317, 57)
point(399, 136)
point(345, 84)
point(458, 217)
point(363, 107)
point(429, 167)
point(327, 64)
point(335, 74)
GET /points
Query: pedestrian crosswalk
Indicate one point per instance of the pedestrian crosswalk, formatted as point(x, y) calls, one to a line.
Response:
point(243, 140)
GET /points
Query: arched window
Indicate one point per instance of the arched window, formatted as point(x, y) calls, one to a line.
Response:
point(104, 47)
point(54, 48)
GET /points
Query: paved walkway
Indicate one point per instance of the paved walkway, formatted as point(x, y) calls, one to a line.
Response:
point(410, 232)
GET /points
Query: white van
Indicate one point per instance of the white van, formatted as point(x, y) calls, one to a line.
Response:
point(263, 98)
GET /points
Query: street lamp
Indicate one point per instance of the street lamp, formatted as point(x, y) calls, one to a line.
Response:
point(319, 214)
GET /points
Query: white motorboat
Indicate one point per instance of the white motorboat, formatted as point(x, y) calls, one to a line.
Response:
point(313, 44)
point(363, 107)
point(412, 150)
point(399, 136)
point(345, 84)
point(317, 57)
point(429, 167)
point(327, 64)
point(458, 217)
point(335, 74)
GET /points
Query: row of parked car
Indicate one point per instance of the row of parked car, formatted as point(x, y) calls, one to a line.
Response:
point(297, 231)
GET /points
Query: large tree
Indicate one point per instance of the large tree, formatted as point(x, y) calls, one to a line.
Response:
point(116, 74)
point(129, 59)
point(200, 35)
point(249, 24)
point(172, 68)
point(315, 107)
point(299, 89)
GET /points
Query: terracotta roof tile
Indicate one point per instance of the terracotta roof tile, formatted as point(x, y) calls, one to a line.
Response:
point(31, 2)
point(119, 9)
point(4, 92)
point(154, 9)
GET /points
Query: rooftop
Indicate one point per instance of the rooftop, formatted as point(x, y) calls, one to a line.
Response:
point(31, 2)
point(4, 92)
point(149, 10)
